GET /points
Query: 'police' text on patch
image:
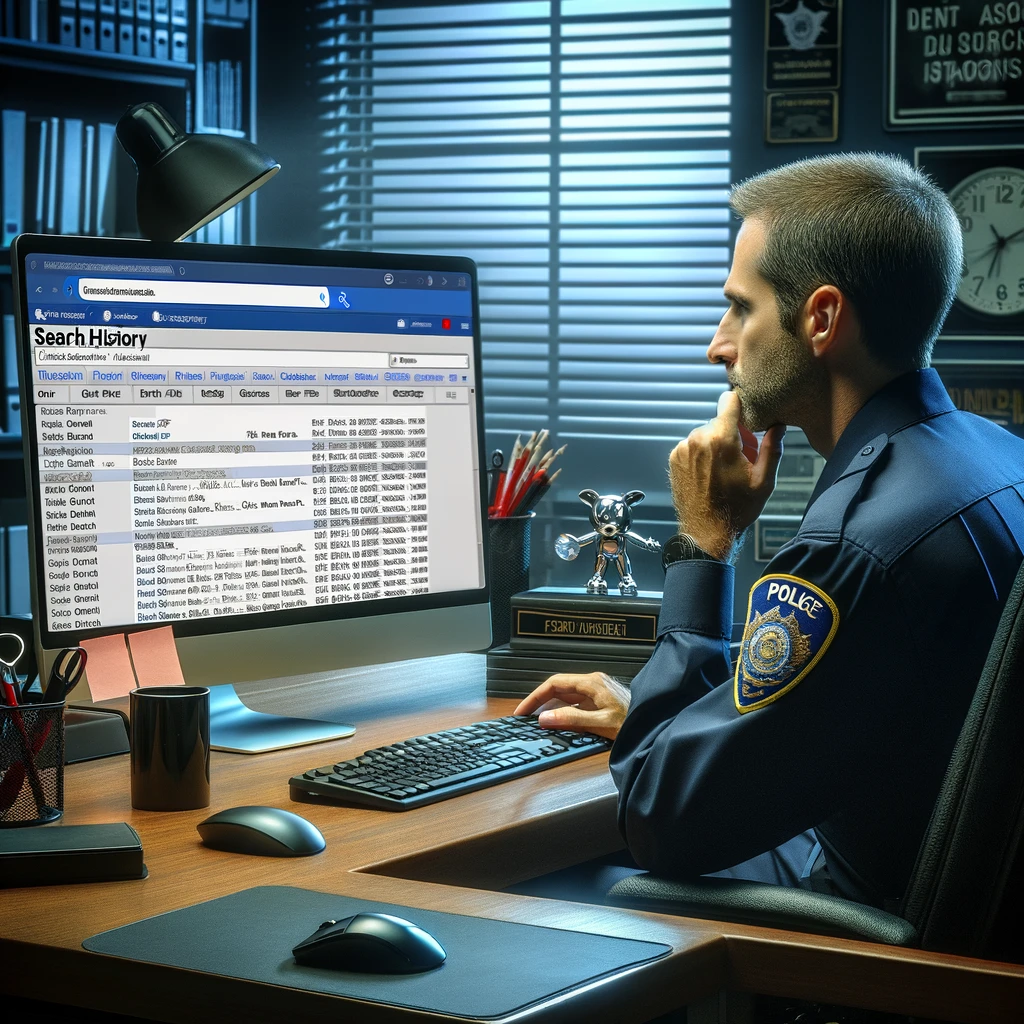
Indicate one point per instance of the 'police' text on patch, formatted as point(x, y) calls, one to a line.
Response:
point(790, 623)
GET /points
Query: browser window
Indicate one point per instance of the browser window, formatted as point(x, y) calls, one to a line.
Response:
point(209, 444)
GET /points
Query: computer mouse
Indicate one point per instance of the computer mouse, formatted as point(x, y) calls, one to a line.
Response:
point(371, 943)
point(264, 831)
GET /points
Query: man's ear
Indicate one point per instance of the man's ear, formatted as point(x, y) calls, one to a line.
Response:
point(824, 317)
point(588, 497)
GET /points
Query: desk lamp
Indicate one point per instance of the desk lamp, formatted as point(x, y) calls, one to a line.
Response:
point(185, 181)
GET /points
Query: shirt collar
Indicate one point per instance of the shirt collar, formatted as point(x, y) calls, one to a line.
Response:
point(909, 398)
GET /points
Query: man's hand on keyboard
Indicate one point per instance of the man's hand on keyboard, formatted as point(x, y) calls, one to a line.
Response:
point(589, 703)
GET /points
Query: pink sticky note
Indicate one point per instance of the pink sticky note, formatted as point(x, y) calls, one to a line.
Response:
point(156, 658)
point(108, 668)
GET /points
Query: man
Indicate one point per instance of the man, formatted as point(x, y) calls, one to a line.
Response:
point(817, 761)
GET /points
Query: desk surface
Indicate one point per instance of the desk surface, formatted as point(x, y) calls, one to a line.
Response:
point(450, 856)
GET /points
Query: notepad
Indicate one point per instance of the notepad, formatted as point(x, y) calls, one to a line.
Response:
point(155, 657)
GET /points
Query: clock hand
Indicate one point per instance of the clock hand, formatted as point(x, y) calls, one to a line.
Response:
point(999, 238)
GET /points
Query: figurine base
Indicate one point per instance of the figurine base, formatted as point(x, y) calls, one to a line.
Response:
point(558, 629)
point(515, 673)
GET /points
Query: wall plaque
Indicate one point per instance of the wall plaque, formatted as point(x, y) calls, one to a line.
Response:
point(955, 63)
point(802, 116)
point(802, 40)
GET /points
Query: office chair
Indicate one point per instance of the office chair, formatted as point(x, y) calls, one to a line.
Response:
point(965, 895)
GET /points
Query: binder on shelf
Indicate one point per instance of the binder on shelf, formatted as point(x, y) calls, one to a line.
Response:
point(88, 204)
point(8, 24)
point(53, 148)
point(161, 44)
point(35, 172)
point(143, 41)
point(71, 183)
point(13, 135)
point(143, 10)
point(87, 5)
point(106, 181)
point(210, 94)
point(162, 11)
point(126, 38)
point(216, 8)
point(87, 33)
point(67, 30)
point(179, 47)
point(238, 9)
point(108, 6)
point(10, 354)
point(126, 8)
point(69, 5)
point(179, 12)
point(236, 95)
point(33, 19)
point(108, 38)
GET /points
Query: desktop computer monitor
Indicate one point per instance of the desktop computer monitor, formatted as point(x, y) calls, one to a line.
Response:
point(277, 451)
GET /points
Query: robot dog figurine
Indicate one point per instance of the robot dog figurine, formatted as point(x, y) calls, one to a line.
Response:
point(611, 517)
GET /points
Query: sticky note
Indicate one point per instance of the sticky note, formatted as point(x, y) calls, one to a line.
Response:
point(156, 657)
point(108, 668)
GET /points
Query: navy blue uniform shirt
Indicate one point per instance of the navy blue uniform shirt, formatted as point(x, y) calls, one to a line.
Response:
point(863, 645)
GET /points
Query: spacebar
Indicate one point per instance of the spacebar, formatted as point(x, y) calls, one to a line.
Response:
point(473, 773)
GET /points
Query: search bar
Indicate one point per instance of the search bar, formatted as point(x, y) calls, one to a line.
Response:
point(215, 357)
point(203, 293)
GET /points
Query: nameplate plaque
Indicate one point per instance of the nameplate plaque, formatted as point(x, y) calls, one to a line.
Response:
point(551, 624)
point(553, 617)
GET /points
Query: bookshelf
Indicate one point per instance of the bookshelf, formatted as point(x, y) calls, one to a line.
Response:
point(68, 70)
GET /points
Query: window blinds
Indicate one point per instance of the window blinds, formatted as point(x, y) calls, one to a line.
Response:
point(578, 150)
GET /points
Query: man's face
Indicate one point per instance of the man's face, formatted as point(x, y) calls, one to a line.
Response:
point(773, 372)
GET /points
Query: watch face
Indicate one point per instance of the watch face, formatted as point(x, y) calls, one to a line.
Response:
point(990, 205)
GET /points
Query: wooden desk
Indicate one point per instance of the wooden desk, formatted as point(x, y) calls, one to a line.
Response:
point(450, 856)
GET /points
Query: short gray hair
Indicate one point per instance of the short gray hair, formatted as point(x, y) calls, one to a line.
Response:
point(879, 230)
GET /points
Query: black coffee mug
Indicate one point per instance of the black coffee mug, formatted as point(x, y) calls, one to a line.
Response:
point(170, 743)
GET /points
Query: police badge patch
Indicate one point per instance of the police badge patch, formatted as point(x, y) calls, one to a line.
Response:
point(790, 624)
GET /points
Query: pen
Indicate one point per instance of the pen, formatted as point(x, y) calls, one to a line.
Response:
point(517, 449)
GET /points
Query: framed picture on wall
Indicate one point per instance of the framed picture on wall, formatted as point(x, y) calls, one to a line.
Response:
point(954, 65)
point(986, 186)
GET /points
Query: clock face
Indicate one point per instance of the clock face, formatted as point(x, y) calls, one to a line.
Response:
point(990, 205)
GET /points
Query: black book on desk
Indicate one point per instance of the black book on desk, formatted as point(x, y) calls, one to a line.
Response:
point(559, 629)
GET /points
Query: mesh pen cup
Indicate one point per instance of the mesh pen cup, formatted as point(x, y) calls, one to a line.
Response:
point(31, 764)
point(509, 565)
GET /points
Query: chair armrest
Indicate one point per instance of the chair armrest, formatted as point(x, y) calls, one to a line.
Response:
point(758, 903)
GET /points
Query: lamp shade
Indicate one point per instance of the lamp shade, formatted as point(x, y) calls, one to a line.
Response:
point(185, 181)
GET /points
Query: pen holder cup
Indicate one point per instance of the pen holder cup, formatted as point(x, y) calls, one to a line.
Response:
point(509, 565)
point(31, 764)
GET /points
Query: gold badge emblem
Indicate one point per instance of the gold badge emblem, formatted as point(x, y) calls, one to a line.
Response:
point(778, 649)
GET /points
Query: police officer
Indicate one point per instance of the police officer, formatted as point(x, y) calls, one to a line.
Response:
point(816, 760)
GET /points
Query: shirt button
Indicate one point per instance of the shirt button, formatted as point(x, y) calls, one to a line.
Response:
point(868, 450)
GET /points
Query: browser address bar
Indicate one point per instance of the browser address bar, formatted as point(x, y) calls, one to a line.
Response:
point(202, 293)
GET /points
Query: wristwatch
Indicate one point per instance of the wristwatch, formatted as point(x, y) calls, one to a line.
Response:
point(681, 547)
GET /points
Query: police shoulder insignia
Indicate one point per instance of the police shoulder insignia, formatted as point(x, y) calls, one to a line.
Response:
point(790, 624)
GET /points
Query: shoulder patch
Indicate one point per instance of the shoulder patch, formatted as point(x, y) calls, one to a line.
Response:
point(790, 624)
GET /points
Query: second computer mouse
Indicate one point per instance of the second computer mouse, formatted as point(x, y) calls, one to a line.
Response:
point(371, 943)
point(265, 831)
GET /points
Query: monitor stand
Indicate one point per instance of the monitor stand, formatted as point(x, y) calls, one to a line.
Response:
point(240, 730)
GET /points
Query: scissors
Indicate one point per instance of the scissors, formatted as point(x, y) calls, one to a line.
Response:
point(9, 687)
point(66, 670)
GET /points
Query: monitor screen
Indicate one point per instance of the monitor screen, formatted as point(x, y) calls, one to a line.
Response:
point(235, 438)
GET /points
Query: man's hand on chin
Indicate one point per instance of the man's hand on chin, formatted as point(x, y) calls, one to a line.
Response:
point(721, 480)
point(589, 703)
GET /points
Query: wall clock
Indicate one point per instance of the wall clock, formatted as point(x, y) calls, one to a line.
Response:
point(986, 187)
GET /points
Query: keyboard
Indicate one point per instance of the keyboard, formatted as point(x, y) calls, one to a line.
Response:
point(425, 769)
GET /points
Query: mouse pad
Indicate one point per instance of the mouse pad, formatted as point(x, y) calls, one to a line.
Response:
point(493, 968)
